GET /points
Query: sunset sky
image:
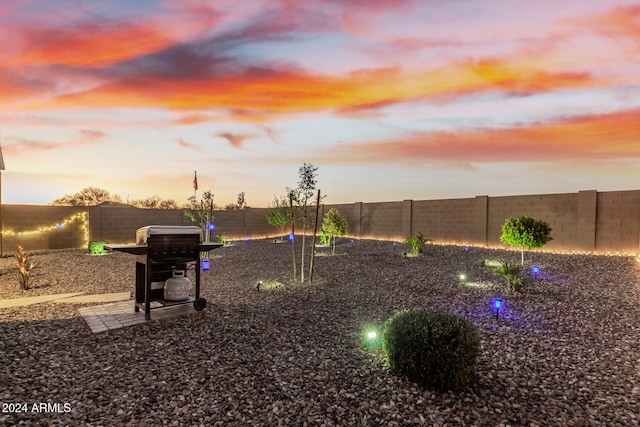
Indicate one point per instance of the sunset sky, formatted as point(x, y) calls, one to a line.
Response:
point(391, 99)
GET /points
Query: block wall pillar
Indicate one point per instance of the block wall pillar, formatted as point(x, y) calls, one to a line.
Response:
point(586, 220)
point(407, 218)
point(357, 215)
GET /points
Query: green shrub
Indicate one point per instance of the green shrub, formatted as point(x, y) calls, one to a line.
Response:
point(96, 247)
point(222, 238)
point(435, 349)
point(513, 273)
point(417, 243)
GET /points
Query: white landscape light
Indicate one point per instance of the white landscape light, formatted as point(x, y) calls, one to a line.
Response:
point(372, 338)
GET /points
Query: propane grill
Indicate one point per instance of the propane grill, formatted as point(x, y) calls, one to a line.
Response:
point(161, 250)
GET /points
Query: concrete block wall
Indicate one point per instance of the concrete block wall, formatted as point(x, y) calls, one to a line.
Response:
point(618, 221)
point(35, 227)
point(256, 224)
point(585, 221)
point(559, 210)
point(382, 220)
point(446, 221)
point(119, 224)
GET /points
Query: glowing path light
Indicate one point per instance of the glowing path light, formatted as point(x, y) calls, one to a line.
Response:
point(536, 271)
point(498, 305)
point(372, 339)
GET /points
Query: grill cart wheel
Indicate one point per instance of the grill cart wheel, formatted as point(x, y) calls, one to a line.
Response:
point(199, 304)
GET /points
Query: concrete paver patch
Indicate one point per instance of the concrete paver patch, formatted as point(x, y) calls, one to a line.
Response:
point(101, 318)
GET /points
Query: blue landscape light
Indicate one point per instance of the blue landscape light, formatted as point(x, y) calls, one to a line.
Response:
point(290, 236)
point(536, 270)
point(246, 239)
point(497, 304)
point(212, 226)
point(206, 264)
point(59, 225)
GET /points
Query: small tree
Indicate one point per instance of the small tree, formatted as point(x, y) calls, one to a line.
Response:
point(333, 225)
point(302, 195)
point(525, 232)
point(201, 212)
point(279, 213)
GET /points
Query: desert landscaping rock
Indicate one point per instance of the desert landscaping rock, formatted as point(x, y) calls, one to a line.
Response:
point(564, 352)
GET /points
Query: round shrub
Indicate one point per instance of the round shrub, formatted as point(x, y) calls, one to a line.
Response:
point(435, 349)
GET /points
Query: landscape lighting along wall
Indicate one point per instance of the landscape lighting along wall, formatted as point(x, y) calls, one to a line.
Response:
point(59, 226)
point(211, 226)
point(290, 237)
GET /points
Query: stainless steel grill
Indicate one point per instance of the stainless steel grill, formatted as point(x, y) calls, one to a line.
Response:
point(160, 250)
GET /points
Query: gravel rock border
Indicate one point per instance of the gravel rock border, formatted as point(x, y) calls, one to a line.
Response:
point(564, 352)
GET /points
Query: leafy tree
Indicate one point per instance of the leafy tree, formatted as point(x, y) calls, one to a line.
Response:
point(333, 225)
point(201, 212)
point(302, 195)
point(242, 203)
point(89, 196)
point(525, 232)
point(279, 213)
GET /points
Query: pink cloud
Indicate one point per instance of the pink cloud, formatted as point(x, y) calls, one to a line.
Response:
point(610, 136)
point(236, 140)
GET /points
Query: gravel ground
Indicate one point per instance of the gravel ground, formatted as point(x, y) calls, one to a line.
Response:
point(564, 352)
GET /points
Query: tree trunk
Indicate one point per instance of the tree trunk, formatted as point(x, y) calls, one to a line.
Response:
point(293, 242)
point(313, 243)
point(304, 230)
point(522, 256)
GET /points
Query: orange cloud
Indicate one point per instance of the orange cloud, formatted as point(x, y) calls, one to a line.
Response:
point(619, 22)
point(611, 136)
point(254, 95)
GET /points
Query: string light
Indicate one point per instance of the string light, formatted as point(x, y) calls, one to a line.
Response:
point(80, 217)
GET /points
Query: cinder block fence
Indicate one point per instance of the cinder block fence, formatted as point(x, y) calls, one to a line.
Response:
point(587, 221)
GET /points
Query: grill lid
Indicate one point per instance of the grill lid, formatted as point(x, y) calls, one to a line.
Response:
point(143, 233)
